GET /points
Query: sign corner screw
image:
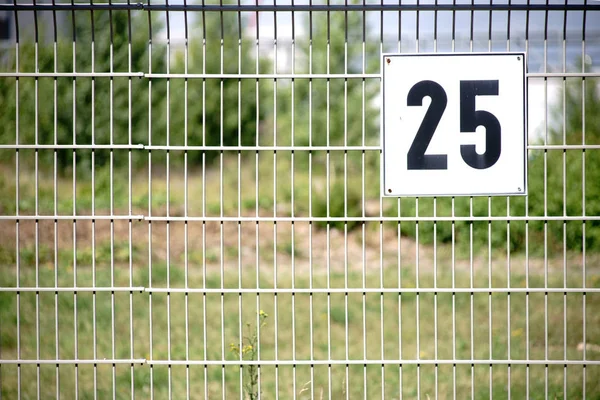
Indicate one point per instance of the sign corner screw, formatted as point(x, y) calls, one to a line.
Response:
point(388, 60)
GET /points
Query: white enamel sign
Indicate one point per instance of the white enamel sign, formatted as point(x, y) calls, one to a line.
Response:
point(454, 124)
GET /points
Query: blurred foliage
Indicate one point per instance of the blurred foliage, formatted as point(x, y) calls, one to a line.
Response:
point(105, 110)
point(560, 182)
point(217, 111)
point(220, 112)
point(333, 112)
point(567, 180)
point(86, 110)
point(342, 110)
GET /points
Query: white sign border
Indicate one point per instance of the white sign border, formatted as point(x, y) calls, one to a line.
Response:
point(384, 190)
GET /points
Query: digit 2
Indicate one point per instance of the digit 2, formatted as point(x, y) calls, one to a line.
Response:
point(416, 157)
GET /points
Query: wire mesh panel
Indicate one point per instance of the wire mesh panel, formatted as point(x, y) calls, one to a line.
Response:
point(190, 207)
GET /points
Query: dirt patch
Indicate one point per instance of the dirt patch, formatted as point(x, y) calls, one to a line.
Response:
point(301, 245)
point(301, 242)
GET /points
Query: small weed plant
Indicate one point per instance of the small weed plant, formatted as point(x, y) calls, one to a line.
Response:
point(247, 349)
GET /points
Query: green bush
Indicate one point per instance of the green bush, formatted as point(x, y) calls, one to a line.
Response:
point(221, 112)
point(556, 188)
point(104, 110)
point(558, 176)
point(333, 112)
point(83, 105)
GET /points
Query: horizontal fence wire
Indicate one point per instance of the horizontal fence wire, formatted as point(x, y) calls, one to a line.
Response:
point(579, 6)
point(547, 218)
point(304, 362)
point(246, 148)
point(269, 76)
point(305, 290)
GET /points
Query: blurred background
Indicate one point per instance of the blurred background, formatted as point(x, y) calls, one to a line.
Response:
point(181, 144)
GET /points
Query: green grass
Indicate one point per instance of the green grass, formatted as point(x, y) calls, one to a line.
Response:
point(350, 321)
point(219, 183)
point(357, 314)
point(347, 190)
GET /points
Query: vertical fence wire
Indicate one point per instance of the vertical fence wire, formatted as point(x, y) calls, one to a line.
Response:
point(150, 242)
point(583, 201)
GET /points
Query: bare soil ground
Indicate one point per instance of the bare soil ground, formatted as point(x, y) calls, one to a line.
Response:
point(285, 243)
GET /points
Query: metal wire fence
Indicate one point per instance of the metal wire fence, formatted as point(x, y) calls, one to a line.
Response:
point(191, 207)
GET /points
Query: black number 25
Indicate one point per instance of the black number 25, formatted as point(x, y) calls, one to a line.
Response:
point(470, 119)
